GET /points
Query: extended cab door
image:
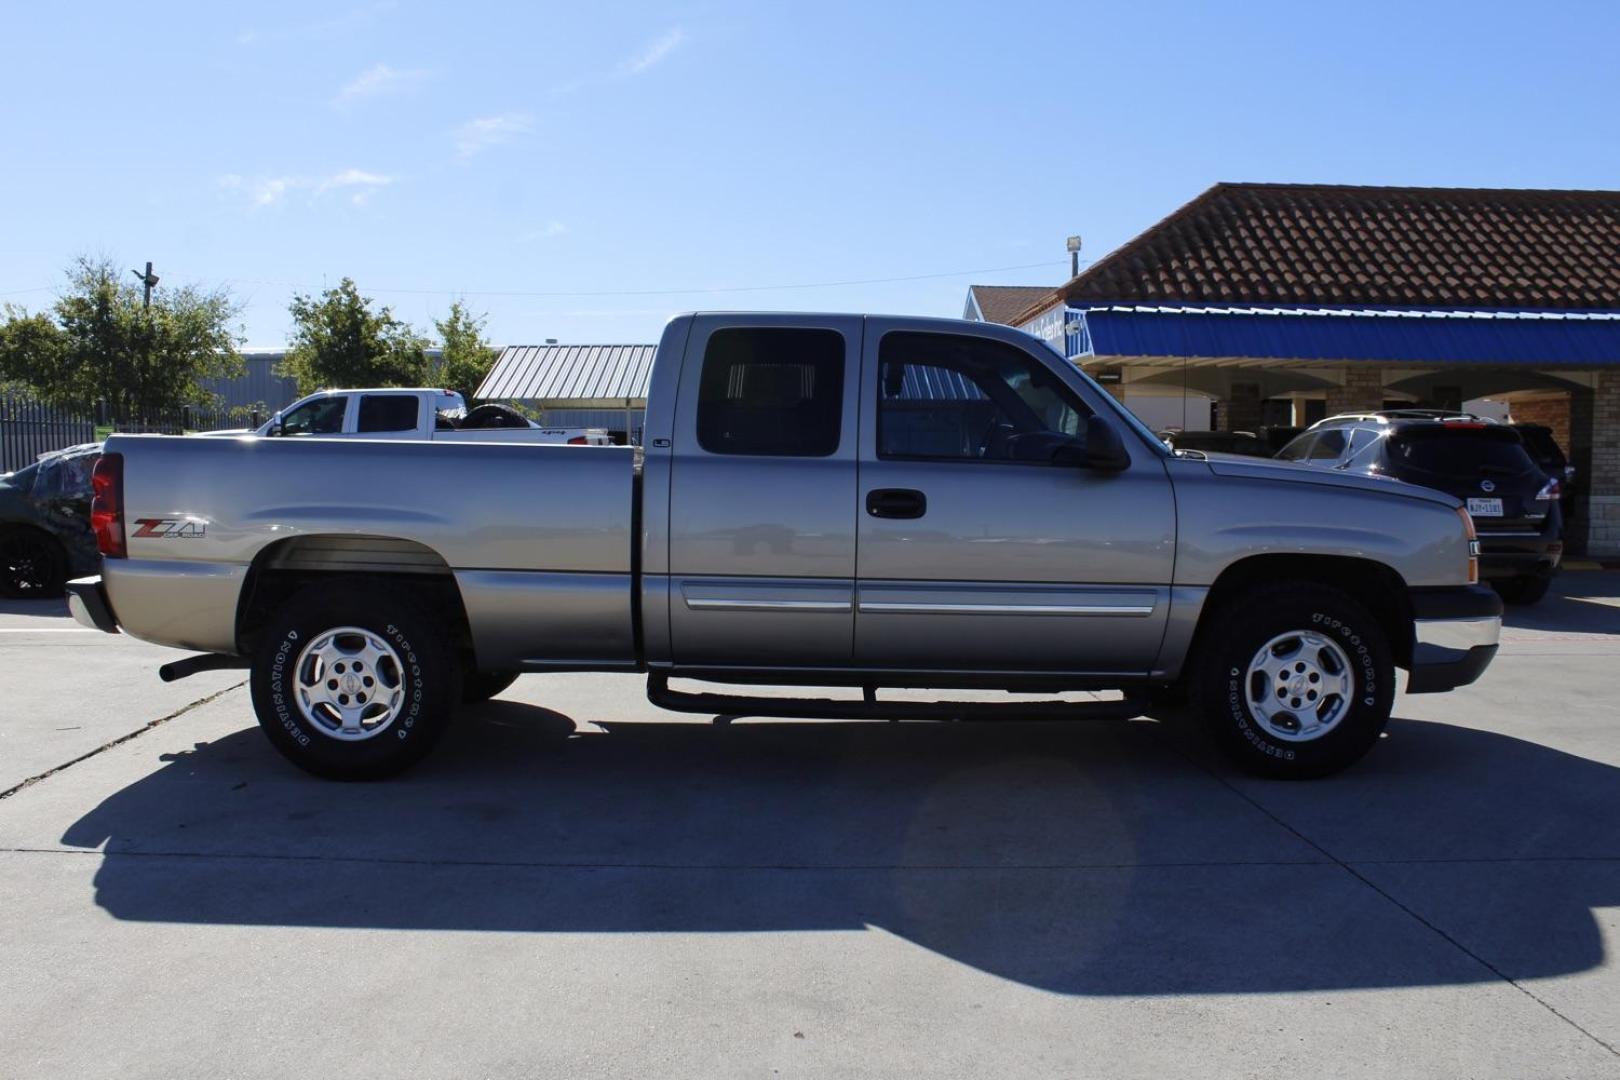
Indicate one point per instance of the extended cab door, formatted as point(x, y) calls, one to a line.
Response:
point(762, 491)
point(979, 552)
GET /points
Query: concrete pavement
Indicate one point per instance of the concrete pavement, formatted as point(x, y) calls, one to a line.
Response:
point(577, 884)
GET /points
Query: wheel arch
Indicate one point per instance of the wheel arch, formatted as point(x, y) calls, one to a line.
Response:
point(1376, 586)
point(287, 567)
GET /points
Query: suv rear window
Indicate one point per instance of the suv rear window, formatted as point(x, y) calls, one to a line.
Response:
point(1461, 452)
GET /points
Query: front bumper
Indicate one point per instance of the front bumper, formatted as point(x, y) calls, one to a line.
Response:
point(87, 600)
point(1454, 636)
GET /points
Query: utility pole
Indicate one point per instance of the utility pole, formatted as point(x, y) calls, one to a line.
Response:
point(1073, 244)
point(149, 280)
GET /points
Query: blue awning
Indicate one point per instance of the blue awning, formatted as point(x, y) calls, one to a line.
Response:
point(1345, 335)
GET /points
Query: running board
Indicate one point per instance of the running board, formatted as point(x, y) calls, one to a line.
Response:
point(659, 693)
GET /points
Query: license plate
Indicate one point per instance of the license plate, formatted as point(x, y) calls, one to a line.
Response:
point(1485, 507)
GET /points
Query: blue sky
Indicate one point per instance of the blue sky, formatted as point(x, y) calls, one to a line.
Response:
point(582, 171)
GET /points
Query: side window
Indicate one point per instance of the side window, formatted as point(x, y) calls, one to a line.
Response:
point(953, 397)
point(1360, 440)
point(323, 416)
point(388, 412)
point(1328, 446)
point(772, 391)
point(1296, 450)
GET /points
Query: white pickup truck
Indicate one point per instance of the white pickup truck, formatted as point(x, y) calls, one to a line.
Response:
point(414, 413)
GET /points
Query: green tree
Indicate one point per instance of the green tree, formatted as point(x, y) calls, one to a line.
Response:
point(338, 340)
point(100, 344)
point(467, 356)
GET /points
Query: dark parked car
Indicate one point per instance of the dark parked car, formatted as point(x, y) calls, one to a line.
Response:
point(45, 535)
point(1216, 442)
point(1514, 503)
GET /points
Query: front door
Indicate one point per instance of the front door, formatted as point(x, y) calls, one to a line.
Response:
point(762, 538)
point(978, 552)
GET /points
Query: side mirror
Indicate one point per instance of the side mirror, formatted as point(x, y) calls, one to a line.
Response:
point(275, 425)
point(1103, 449)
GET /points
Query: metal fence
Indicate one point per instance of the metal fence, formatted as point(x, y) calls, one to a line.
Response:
point(29, 428)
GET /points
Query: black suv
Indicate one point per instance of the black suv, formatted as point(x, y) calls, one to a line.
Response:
point(1514, 504)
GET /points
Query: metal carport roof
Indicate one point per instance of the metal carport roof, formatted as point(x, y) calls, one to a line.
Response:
point(570, 376)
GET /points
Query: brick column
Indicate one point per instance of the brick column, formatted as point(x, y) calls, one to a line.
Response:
point(1603, 473)
point(1363, 391)
point(1240, 409)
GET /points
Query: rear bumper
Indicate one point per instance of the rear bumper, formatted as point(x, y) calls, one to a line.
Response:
point(1529, 551)
point(87, 600)
point(1455, 634)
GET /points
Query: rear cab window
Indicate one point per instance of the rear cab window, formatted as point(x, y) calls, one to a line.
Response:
point(772, 391)
point(388, 412)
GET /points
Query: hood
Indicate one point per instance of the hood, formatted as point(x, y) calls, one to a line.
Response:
point(1236, 465)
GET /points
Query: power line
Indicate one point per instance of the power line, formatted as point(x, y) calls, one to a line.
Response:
point(1048, 263)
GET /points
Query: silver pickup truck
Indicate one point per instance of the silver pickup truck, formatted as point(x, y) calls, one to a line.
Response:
point(822, 500)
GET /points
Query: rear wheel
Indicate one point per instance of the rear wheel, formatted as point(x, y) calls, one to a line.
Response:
point(1522, 590)
point(33, 565)
point(352, 683)
point(1294, 681)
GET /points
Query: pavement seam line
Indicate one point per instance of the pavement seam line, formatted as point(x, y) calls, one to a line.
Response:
point(137, 733)
point(1421, 920)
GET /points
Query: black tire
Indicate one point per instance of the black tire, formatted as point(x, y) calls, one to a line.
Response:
point(477, 686)
point(1223, 688)
point(33, 565)
point(1522, 590)
point(423, 674)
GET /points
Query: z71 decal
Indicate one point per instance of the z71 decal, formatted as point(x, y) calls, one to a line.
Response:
point(169, 528)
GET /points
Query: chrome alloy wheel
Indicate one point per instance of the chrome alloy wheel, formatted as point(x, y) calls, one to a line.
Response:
point(1299, 686)
point(349, 684)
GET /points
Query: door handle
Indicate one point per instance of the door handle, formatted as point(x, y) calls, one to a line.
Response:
point(896, 503)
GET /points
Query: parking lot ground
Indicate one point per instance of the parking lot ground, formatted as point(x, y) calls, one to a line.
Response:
point(577, 884)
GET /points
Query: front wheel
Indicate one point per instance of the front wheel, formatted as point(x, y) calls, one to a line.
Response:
point(352, 683)
point(1294, 681)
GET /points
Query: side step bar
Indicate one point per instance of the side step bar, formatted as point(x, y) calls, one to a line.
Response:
point(659, 693)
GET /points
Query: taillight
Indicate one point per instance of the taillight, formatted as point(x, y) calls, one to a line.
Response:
point(578, 440)
point(107, 507)
point(1473, 545)
point(1552, 489)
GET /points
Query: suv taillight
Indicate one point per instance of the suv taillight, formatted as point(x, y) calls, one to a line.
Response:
point(107, 507)
point(1552, 489)
point(1473, 545)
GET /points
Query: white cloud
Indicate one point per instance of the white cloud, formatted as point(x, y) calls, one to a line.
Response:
point(484, 132)
point(378, 80)
point(265, 191)
point(631, 66)
point(655, 52)
point(547, 231)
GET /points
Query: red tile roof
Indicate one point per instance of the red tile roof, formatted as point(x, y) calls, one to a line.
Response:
point(999, 303)
point(1324, 244)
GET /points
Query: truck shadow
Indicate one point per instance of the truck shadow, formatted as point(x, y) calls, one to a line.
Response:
point(1082, 859)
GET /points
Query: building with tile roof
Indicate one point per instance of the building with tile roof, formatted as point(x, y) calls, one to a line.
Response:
point(1259, 304)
